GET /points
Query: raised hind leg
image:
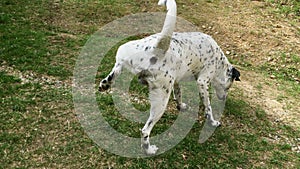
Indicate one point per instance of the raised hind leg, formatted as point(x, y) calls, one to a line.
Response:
point(106, 82)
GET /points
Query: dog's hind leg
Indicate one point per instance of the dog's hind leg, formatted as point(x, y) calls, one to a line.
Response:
point(159, 98)
point(106, 82)
point(178, 99)
point(203, 85)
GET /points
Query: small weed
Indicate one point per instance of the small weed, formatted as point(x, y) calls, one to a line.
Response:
point(259, 86)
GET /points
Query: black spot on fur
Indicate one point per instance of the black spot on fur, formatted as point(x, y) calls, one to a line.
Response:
point(153, 60)
point(146, 138)
point(167, 72)
point(110, 77)
point(175, 40)
point(207, 116)
point(147, 48)
point(142, 76)
point(143, 81)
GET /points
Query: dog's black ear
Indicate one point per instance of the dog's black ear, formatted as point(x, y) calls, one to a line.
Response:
point(235, 74)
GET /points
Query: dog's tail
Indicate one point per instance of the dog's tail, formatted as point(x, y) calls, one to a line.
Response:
point(170, 20)
point(169, 24)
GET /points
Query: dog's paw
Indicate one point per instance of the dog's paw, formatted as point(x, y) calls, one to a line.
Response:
point(215, 123)
point(151, 150)
point(182, 107)
point(103, 86)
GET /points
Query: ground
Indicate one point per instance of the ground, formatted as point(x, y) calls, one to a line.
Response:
point(259, 38)
point(41, 40)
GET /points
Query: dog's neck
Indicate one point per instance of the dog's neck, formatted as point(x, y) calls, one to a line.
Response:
point(224, 68)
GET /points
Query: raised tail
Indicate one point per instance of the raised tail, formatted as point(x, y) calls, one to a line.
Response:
point(169, 24)
point(170, 20)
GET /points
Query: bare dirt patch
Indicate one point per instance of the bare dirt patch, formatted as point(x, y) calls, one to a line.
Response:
point(32, 77)
point(258, 90)
point(251, 30)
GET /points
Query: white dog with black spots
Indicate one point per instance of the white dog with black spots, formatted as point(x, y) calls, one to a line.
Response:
point(163, 60)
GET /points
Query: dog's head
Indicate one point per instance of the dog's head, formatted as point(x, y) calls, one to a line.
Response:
point(235, 74)
point(223, 83)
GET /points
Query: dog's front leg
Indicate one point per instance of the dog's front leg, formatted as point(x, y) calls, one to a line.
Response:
point(159, 98)
point(203, 88)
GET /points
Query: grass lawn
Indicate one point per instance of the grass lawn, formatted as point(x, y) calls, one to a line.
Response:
point(41, 40)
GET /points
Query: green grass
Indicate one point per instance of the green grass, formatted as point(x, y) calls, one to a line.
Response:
point(25, 38)
point(38, 126)
point(287, 7)
point(286, 69)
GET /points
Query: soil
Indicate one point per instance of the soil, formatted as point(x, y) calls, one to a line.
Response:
point(257, 92)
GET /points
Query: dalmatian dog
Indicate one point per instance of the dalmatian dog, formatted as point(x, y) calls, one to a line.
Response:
point(164, 59)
